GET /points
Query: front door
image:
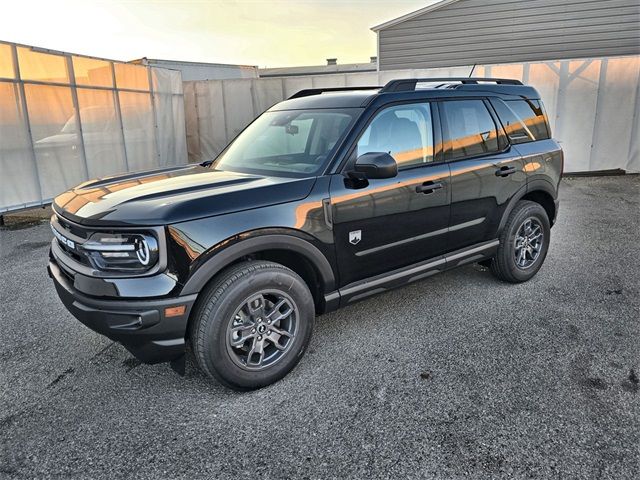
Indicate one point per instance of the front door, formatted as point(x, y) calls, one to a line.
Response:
point(394, 222)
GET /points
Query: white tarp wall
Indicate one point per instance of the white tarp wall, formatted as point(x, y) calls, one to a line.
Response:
point(593, 105)
point(66, 118)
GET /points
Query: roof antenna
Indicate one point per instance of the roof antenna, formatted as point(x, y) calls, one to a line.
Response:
point(472, 69)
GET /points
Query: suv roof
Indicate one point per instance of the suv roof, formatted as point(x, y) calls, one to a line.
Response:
point(407, 89)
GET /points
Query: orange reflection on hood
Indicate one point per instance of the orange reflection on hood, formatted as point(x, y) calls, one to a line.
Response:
point(73, 200)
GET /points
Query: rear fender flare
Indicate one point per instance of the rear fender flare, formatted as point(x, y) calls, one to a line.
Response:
point(532, 186)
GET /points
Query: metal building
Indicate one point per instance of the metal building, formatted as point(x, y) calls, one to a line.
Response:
point(467, 32)
point(67, 118)
point(202, 70)
point(332, 67)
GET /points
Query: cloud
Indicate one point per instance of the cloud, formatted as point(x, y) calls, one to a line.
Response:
point(264, 33)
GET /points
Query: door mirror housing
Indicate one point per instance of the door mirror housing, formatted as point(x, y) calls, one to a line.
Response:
point(376, 165)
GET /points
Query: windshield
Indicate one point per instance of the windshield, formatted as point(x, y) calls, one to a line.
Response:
point(287, 143)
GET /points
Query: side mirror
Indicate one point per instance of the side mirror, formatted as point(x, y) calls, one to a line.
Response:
point(376, 165)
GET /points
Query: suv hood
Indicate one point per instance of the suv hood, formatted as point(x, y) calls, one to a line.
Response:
point(172, 195)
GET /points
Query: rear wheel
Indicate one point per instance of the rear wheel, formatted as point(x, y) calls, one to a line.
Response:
point(524, 243)
point(252, 325)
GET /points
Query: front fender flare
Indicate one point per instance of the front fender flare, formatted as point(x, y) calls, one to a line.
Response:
point(256, 244)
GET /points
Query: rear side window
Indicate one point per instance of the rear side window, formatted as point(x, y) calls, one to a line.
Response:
point(513, 126)
point(524, 120)
point(471, 129)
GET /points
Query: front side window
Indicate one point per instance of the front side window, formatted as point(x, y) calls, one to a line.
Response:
point(403, 131)
point(472, 131)
point(287, 143)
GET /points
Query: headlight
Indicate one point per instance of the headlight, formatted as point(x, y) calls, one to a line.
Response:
point(122, 252)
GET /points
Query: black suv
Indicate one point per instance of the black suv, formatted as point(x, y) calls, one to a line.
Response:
point(328, 197)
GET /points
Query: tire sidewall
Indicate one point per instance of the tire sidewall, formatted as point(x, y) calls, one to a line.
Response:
point(217, 357)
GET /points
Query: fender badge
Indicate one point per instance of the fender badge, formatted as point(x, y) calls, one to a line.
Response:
point(355, 237)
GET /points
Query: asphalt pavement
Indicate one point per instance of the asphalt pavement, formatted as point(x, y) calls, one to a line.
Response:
point(455, 376)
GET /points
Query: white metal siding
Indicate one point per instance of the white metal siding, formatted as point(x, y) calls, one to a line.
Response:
point(496, 31)
point(207, 71)
point(61, 125)
point(593, 105)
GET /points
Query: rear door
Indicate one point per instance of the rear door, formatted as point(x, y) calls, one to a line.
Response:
point(390, 223)
point(485, 171)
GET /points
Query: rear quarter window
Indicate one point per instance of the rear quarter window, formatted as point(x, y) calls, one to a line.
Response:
point(523, 120)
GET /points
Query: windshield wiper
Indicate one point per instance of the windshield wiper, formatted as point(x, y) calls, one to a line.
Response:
point(207, 163)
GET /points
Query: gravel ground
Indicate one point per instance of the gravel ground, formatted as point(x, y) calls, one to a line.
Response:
point(458, 375)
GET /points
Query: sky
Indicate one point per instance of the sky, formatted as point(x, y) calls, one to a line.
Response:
point(267, 33)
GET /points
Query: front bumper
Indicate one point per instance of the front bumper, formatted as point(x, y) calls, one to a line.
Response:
point(139, 325)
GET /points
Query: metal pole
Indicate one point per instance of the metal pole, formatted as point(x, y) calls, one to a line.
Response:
point(116, 99)
point(25, 116)
point(196, 107)
point(525, 73)
point(224, 110)
point(156, 135)
point(76, 106)
point(602, 82)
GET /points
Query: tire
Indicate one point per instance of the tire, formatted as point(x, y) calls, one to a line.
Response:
point(508, 265)
point(243, 303)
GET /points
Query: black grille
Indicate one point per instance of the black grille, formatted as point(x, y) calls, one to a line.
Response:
point(78, 257)
point(73, 232)
point(74, 229)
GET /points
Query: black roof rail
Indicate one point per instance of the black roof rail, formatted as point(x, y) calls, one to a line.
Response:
point(317, 91)
point(409, 84)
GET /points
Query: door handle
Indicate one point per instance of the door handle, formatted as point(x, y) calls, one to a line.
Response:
point(505, 171)
point(428, 187)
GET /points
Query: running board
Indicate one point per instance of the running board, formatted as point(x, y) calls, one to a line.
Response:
point(403, 276)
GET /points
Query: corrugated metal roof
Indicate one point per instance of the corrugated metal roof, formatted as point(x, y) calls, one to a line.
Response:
point(317, 69)
point(466, 32)
point(141, 61)
point(409, 16)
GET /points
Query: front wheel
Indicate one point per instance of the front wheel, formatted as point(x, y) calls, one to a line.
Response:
point(524, 243)
point(252, 325)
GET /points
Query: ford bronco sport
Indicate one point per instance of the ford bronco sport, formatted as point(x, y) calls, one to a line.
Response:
point(328, 197)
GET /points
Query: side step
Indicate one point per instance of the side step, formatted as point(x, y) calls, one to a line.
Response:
point(403, 276)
